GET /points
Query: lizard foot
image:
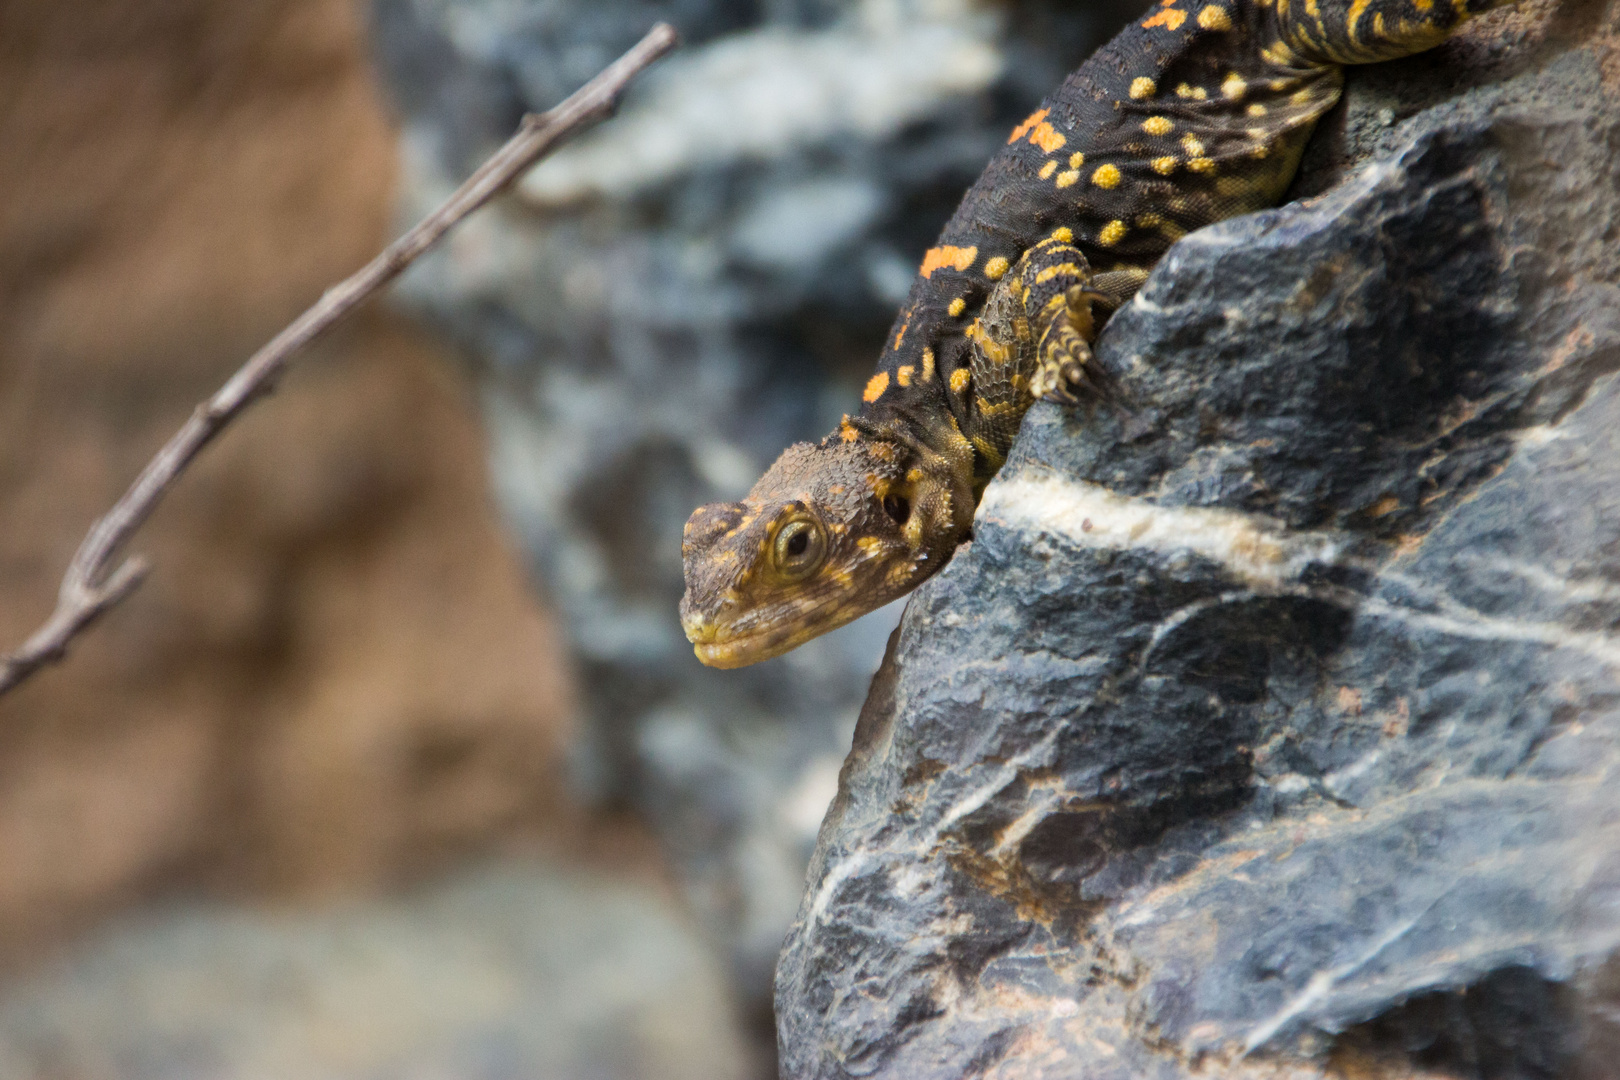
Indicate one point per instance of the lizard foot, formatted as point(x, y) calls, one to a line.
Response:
point(1066, 373)
point(1063, 379)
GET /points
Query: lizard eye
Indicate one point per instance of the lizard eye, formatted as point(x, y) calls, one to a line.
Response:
point(800, 547)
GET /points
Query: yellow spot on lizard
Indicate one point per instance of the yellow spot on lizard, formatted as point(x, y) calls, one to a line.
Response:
point(1234, 87)
point(1194, 93)
point(1164, 166)
point(1158, 125)
point(1066, 269)
point(958, 306)
point(959, 380)
point(1048, 169)
point(1214, 17)
point(1076, 160)
point(1278, 53)
point(903, 375)
point(1112, 233)
point(995, 268)
point(1143, 87)
point(1357, 9)
point(1063, 234)
point(1106, 177)
point(1066, 178)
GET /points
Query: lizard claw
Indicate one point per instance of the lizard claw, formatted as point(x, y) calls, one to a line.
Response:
point(1066, 379)
point(1065, 374)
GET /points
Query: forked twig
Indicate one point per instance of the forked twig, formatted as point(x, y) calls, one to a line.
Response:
point(89, 587)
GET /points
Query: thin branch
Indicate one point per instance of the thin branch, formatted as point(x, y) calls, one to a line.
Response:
point(89, 588)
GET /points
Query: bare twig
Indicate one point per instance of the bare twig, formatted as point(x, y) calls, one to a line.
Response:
point(89, 589)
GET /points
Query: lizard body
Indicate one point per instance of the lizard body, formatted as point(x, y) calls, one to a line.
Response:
point(1194, 113)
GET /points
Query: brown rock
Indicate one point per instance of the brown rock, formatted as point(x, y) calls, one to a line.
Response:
point(335, 674)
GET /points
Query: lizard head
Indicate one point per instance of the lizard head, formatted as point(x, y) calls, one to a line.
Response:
point(832, 531)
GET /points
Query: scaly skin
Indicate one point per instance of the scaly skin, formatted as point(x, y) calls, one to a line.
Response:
point(1195, 113)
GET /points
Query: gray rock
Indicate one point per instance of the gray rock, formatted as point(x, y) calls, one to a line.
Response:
point(667, 303)
point(1270, 725)
point(521, 972)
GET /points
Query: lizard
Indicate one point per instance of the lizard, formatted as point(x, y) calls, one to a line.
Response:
point(1195, 112)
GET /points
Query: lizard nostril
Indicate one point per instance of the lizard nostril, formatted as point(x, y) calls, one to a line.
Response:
point(897, 508)
point(713, 521)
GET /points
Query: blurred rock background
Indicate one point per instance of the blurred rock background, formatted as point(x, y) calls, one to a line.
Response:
point(334, 795)
point(336, 682)
point(661, 308)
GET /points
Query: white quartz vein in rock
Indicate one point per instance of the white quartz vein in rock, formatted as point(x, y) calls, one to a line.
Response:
point(1323, 982)
point(841, 871)
point(1457, 620)
point(1001, 776)
point(1584, 590)
point(1257, 550)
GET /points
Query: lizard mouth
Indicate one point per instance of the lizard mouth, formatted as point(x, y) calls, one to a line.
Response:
point(732, 654)
point(741, 651)
point(717, 648)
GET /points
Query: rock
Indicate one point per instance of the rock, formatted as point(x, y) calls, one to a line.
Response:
point(525, 972)
point(661, 308)
point(1268, 726)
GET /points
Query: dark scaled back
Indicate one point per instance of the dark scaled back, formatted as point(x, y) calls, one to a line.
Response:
point(1190, 115)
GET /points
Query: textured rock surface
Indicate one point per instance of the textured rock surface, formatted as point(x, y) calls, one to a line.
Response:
point(1272, 728)
point(664, 306)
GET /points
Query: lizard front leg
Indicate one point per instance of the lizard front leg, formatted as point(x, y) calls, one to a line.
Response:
point(1065, 328)
point(1064, 369)
point(1033, 339)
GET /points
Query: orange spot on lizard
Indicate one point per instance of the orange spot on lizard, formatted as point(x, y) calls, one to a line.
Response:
point(957, 258)
point(1047, 137)
point(1169, 18)
point(875, 388)
point(1029, 122)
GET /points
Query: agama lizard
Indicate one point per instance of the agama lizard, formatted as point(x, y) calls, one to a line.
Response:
point(1198, 111)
